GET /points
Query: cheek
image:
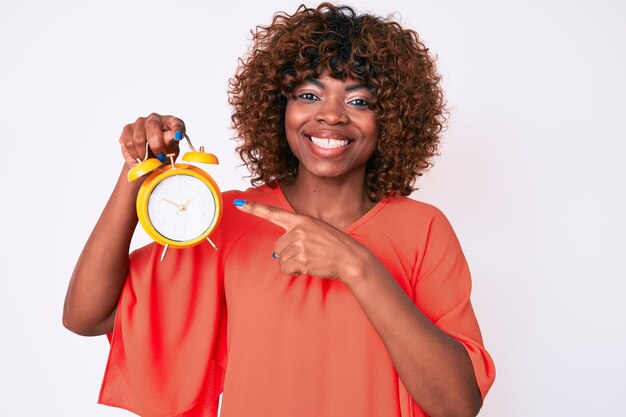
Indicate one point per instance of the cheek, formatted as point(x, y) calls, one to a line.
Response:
point(373, 124)
point(372, 134)
point(369, 126)
point(295, 114)
point(292, 124)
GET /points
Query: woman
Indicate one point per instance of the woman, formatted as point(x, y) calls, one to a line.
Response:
point(332, 293)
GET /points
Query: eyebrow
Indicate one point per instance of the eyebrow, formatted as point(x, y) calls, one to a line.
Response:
point(351, 87)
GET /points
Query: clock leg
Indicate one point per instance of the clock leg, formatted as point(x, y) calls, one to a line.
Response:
point(212, 244)
point(164, 250)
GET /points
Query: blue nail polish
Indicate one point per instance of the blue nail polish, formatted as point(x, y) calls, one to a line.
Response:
point(161, 157)
point(178, 135)
point(274, 255)
point(239, 203)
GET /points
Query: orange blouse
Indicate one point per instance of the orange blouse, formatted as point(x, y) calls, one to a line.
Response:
point(205, 321)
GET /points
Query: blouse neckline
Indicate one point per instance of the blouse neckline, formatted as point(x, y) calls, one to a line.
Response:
point(347, 229)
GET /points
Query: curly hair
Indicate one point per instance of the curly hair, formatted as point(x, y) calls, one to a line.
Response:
point(374, 51)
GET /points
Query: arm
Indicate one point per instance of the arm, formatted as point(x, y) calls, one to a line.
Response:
point(433, 366)
point(101, 269)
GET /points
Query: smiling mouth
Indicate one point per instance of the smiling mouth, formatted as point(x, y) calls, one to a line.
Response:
point(328, 143)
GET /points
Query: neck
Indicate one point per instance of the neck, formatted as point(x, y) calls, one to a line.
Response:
point(337, 201)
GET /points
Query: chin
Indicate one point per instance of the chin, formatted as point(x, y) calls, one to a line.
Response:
point(326, 172)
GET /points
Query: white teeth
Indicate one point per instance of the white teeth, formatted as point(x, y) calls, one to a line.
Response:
point(329, 143)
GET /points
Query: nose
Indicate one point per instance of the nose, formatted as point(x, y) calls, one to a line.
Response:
point(332, 112)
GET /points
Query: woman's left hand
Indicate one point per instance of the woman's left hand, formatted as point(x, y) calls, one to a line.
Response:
point(313, 247)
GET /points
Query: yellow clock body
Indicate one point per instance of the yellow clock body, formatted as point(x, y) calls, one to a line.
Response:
point(179, 205)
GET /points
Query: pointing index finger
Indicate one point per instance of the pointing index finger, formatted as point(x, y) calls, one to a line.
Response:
point(278, 216)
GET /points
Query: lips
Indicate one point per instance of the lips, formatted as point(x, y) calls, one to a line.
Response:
point(327, 134)
point(328, 144)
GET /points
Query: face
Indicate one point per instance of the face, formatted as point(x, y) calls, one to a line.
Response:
point(331, 128)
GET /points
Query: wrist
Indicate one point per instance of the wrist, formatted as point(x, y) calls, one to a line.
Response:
point(123, 182)
point(357, 270)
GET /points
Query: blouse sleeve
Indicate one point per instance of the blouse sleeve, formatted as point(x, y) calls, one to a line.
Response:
point(442, 286)
point(167, 354)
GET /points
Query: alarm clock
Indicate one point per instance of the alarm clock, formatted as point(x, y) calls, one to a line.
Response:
point(178, 205)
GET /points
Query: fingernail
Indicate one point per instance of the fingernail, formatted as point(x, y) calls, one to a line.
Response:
point(239, 203)
point(178, 135)
point(274, 255)
point(161, 157)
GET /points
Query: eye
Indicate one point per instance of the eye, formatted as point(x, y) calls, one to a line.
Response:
point(359, 102)
point(309, 97)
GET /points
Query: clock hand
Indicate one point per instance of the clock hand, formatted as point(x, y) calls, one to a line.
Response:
point(171, 202)
point(184, 206)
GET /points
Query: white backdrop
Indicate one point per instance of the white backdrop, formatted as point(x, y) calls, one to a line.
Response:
point(532, 176)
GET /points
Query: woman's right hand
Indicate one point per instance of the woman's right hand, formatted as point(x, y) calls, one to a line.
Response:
point(162, 133)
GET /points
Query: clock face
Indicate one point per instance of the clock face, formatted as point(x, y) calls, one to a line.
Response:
point(181, 207)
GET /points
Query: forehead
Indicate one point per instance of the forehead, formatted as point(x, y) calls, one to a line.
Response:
point(325, 81)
